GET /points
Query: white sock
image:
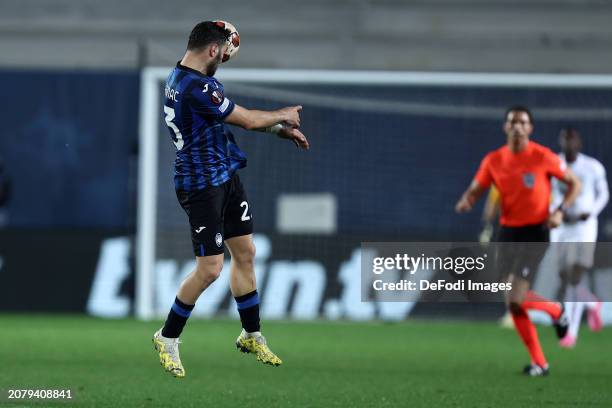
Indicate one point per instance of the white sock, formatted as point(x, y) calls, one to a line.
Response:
point(570, 294)
point(585, 295)
point(572, 309)
point(576, 318)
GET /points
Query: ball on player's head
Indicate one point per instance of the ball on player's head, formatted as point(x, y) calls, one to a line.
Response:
point(233, 41)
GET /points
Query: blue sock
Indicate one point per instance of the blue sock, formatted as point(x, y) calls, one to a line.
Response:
point(179, 313)
point(248, 308)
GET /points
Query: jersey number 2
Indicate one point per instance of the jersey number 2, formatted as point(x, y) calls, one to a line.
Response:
point(178, 139)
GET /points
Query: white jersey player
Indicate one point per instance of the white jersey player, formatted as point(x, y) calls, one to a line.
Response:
point(574, 241)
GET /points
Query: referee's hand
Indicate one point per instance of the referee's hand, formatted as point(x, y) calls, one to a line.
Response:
point(555, 219)
point(463, 205)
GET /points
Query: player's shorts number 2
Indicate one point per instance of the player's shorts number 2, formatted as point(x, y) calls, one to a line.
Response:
point(245, 217)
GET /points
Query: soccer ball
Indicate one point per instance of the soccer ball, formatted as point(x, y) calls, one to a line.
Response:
point(233, 41)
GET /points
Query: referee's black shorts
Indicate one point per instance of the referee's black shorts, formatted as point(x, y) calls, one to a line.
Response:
point(216, 213)
point(521, 249)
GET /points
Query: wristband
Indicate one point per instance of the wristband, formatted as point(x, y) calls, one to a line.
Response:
point(274, 129)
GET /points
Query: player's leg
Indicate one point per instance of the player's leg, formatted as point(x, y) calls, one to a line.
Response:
point(533, 247)
point(573, 305)
point(592, 304)
point(556, 311)
point(242, 268)
point(238, 225)
point(533, 301)
point(528, 253)
point(206, 271)
point(242, 281)
point(166, 340)
point(524, 327)
point(204, 209)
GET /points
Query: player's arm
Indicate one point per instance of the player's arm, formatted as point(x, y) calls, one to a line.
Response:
point(208, 100)
point(251, 119)
point(572, 192)
point(283, 123)
point(602, 192)
point(469, 197)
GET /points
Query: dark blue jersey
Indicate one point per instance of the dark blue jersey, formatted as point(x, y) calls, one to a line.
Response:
point(194, 111)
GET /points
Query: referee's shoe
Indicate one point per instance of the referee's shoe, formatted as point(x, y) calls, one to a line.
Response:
point(562, 323)
point(534, 370)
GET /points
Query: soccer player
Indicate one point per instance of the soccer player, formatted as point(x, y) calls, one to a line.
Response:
point(521, 171)
point(575, 238)
point(209, 189)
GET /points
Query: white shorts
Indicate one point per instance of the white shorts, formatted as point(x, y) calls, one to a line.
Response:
point(574, 244)
point(568, 254)
point(585, 231)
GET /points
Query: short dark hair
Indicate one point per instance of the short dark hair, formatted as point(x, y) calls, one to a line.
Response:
point(206, 33)
point(569, 130)
point(519, 108)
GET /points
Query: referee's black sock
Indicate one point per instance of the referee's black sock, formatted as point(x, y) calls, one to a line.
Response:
point(179, 313)
point(248, 308)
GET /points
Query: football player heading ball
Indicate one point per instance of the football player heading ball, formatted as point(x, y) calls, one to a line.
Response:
point(209, 189)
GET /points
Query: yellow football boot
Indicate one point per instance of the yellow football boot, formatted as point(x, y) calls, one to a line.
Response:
point(255, 343)
point(169, 358)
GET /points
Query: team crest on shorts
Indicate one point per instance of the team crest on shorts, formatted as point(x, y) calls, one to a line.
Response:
point(218, 239)
point(529, 180)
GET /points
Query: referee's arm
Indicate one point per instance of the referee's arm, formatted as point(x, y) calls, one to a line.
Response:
point(469, 197)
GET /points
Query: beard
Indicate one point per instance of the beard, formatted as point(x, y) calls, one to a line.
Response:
point(214, 64)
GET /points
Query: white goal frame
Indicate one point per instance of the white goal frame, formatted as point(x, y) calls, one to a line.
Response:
point(150, 109)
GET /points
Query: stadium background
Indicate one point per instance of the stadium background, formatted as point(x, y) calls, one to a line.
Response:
point(71, 83)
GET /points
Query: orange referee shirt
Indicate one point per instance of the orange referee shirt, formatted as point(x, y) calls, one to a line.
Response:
point(523, 181)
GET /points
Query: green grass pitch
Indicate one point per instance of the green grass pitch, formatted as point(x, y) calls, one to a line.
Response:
point(111, 363)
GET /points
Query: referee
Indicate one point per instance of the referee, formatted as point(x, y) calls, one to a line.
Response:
point(521, 171)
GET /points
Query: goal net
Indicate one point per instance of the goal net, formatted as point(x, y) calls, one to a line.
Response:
point(391, 153)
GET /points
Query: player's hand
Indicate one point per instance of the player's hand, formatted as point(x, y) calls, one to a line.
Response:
point(555, 219)
point(291, 116)
point(486, 234)
point(296, 136)
point(463, 205)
